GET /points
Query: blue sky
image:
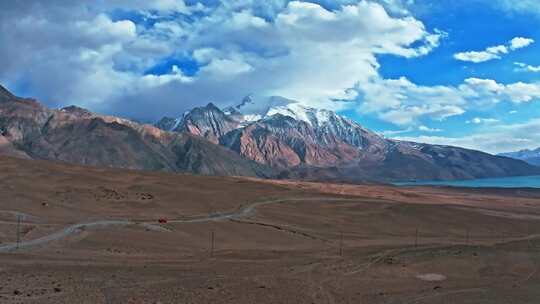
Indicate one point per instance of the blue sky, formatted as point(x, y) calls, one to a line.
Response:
point(461, 73)
point(470, 26)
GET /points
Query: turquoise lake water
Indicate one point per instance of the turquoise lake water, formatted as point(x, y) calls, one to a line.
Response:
point(506, 182)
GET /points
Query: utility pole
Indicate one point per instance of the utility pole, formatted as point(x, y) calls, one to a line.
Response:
point(18, 230)
point(341, 244)
point(212, 244)
point(416, 239)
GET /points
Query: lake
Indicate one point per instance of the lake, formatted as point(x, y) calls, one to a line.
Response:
point(504, 182)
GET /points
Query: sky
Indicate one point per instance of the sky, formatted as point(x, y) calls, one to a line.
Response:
point(463, 73)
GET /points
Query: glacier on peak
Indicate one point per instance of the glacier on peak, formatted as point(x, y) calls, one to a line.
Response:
point(252, 109)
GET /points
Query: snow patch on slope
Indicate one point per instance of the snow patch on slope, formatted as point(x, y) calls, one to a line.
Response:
point(252, 109)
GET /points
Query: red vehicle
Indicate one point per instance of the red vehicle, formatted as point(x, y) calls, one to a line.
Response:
point(162, 221)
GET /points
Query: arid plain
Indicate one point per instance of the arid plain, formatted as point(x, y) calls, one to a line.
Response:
point(90, 235)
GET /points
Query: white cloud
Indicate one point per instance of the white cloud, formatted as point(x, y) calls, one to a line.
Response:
point(479, 120)
point(475, 89)
point(104, 30)
point(521, 6)
point(427, 129)
point(520, 42)
point(523, 67)
point(493, 52)
point(402, 102)
point(494, 139)
point(160, 6)
point(499, 49)
point(300, 50)
point(226, 67)
point(523, 92)
point(410, 114)
point(392, 133)
point(176, 75)
point(476, 57)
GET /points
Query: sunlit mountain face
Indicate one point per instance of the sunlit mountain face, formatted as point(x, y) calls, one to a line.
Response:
point(461, 73)
point(275, 138)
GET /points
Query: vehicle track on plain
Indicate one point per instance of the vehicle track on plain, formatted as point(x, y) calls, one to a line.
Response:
point(77, 228)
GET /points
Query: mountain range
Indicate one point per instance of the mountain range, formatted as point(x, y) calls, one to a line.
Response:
point(29, 129)
point(270, 138)
point(530, 156)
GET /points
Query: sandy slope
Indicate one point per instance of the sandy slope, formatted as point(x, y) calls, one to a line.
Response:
point(483, 246)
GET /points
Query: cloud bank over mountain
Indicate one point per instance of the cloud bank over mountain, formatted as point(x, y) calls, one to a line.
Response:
point(147, 59)
point(300, 50)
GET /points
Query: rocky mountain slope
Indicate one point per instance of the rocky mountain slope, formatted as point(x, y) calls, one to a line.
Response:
point(308, 143)
point(29, 129)
point(276, 138)
point(529, 156)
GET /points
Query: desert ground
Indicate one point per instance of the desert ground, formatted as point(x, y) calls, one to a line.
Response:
point(89, 235)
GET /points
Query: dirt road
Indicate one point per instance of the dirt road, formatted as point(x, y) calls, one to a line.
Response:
point(76, 228)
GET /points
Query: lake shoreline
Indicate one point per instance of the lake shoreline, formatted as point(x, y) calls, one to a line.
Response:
point(517, 182)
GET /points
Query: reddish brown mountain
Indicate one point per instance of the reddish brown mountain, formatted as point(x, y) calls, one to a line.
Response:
point(29, 129)
point(287, 141)
point(208, 122)
point(307, 143)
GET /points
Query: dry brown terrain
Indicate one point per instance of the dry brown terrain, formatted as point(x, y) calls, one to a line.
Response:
point(297, 243)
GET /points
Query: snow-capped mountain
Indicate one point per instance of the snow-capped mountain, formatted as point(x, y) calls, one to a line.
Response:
point(29, 129)
point(251, 109)
point(169, 123)
point(212, 123)
point(530, 156)
point(306, 142)
point(288, 141)
point(209, 122)
point(280, 132)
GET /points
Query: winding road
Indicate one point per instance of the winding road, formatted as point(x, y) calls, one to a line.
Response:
point(76, 228)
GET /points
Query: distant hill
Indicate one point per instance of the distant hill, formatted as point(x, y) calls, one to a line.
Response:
point(275, 138)
point(30, 130)
point(314, 144)
point(530, 156)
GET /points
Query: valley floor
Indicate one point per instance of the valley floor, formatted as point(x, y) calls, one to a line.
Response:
point(273, 241)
